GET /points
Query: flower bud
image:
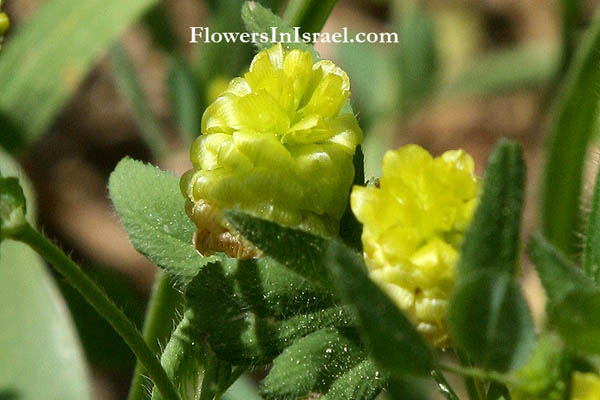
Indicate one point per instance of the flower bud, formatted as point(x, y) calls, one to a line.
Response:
point(277, 144)
point(4, 23)
point(413, 224)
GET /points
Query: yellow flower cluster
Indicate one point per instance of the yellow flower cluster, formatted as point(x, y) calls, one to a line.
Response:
point(413, 224)
point(277, 143)
point(585, 386)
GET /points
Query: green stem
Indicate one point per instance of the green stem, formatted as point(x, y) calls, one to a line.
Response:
point(235, 375)
point(470, 384)
point(309, 15)
point(443, 385)
point(164, 303)
point(477, 373)
point(98, 299)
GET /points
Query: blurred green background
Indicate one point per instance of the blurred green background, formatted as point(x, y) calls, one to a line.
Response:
point(84, 83)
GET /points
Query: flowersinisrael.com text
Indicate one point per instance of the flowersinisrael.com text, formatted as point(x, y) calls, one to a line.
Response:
point(202, 34)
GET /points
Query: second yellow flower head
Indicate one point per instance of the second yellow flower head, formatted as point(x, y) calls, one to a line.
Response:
point(413, 224)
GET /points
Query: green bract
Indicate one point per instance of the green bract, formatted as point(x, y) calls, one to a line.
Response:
point(275, 144)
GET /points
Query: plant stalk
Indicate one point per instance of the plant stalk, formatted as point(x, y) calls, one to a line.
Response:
point(309, 15)
point(470, 384)
point(477, 373)
point(165, 302)
point(98, 299)
point(443, 386)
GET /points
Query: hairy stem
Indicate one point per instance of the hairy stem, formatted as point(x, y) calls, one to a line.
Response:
point(477, 373)
point(98, 299)
point(164, 303)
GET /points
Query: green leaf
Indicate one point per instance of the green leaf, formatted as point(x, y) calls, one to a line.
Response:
point(578, 320)
point(242, 389)
point(40, 356)
point(490, 320)
point(418, 60)
point(573, 125)
point(253, 309)
point(350, 228)
point(300, 251)
point(151, 208)
point(558, 274)
point(591, 250)
point(570, 13)
point(131, 91)
point(309, 15)
point(407, 388)
point(363, 381)
point(504, 70)
point(185, 99)
point(261, 20)
point(158, 24)
point(312, 364)
point(488, 315)
point(394, 343)
point(35, 327)
point(46, 59)
point(492, 240)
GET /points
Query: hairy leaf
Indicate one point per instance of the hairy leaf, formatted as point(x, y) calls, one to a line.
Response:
point(363, 381)
point(253, 309)
point(492, 240)
point(300, 251)
point(151, 208)
point(591, 250)
point(577, 319)
point(558, 274)
point(404, 351)
point(573, 125)
point(312, 364)
point(490, 320)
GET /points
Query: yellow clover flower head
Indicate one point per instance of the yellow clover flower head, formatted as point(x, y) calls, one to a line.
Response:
point(277, 143)
point(413, 223)
point(585, 386)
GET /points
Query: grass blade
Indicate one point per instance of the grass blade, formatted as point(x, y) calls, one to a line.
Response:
point(48, 57)
point(591, 250)
point(129, 88)
point(571, 129)
point(309, 15)
point(185, 99)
